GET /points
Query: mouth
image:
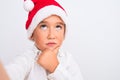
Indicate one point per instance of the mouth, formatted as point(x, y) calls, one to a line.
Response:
point(51, 44)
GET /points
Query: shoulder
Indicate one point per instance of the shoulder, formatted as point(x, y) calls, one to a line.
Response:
point(29, 53)
point(24, 58)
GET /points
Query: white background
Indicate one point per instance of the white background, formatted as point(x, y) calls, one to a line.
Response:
point(93, 35)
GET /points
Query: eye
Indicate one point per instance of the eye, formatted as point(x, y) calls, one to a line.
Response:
point(43, 27)
point(58, 27)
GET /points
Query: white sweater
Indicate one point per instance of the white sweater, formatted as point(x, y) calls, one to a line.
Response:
point(25, 67)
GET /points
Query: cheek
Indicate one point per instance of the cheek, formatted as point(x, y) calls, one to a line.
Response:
point(39, 40)
point(40, 43)
point(61, 37)
point(40, 36)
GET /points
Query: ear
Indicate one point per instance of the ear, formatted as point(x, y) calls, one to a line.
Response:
point(32, 37)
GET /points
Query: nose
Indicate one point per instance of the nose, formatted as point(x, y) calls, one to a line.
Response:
point(51, 34)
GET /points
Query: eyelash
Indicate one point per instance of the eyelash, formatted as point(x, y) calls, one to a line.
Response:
point(59, 26)
point(43, 26)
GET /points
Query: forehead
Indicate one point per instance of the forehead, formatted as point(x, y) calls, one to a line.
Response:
point(53, 18)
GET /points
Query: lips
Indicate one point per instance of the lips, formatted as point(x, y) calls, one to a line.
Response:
point(51, 44)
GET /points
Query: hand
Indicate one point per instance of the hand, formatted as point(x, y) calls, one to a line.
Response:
point(48, 59)
point(3, 74)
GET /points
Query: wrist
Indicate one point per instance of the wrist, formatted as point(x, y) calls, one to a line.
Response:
point(53, 67)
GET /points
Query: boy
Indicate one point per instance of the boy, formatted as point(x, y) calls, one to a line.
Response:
point(46, 26)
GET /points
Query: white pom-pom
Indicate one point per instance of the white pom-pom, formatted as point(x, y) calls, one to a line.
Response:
point(28, 5)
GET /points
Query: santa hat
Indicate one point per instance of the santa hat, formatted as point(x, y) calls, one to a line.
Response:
point(39, 10)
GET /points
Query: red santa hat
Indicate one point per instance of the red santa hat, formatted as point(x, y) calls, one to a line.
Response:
point(39, 10)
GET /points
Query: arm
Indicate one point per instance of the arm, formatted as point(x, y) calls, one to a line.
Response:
point(3, 74)
point(67, 69)
point(60, 66)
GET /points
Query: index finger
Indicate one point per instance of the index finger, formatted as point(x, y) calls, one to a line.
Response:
point(55, 50)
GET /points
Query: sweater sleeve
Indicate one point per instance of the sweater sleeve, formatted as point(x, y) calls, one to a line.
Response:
point(67, 69)
point(19, 68)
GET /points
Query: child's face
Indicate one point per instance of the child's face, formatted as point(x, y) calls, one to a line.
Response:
point(50, 33)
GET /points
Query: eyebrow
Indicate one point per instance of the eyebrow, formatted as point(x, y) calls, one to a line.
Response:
point(43, 22)
point(62, 23)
